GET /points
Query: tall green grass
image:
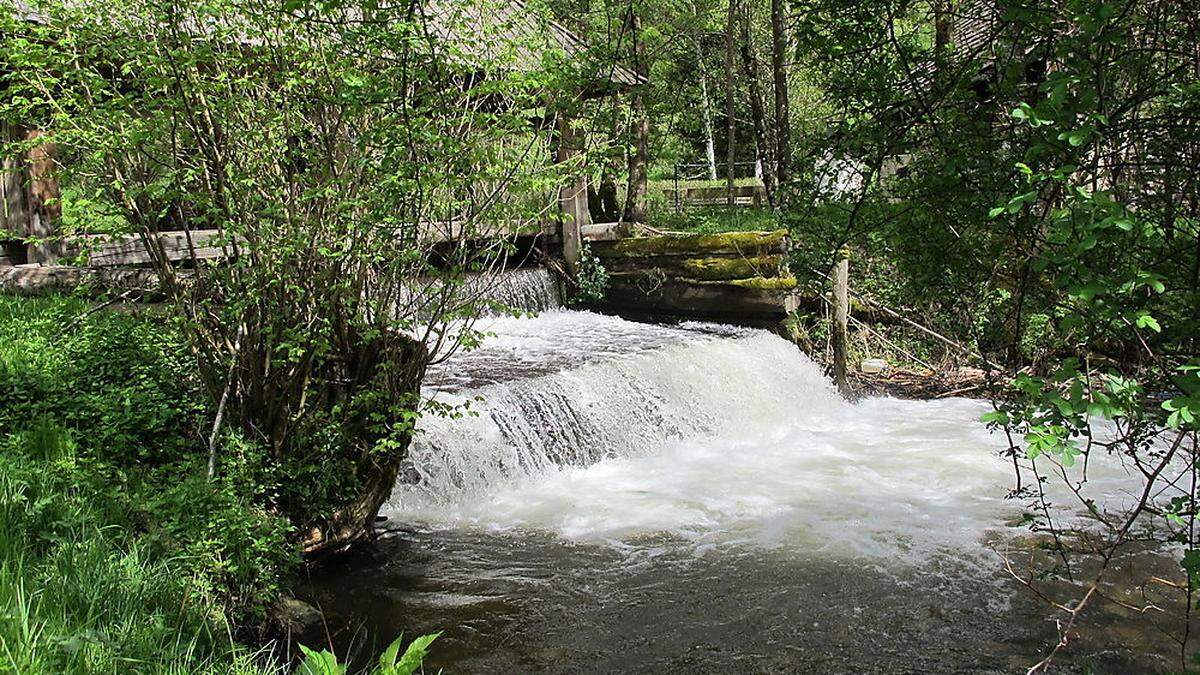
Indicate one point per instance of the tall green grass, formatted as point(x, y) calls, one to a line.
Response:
point(79, 591)
point(117, 553)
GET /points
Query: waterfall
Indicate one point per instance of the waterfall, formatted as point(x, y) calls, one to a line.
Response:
point(618, 405)
point(530, 289)
point(595, 428)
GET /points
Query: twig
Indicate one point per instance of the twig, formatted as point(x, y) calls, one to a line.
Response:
point(216, 429)
point(92, 310)
point(888, 342)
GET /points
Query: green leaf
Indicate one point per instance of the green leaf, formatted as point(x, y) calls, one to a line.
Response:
point(995, 417)
point(387, 660)
point(1147, 321)
point(413, 656)
point(319, 663)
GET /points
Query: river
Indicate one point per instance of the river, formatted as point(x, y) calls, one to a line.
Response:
point(611, 496)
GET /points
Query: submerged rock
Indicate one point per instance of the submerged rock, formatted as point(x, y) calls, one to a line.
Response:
point(296, 616)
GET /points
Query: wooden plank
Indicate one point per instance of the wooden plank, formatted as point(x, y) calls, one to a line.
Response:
point(106, 251)
point(115, 251)
point(35, 279)
point(601, 232)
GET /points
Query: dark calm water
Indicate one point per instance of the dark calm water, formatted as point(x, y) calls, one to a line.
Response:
point(530, 603)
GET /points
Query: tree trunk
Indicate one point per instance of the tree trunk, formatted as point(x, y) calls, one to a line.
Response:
point(635, 199)
point(610, 209)
point(841, 318)
point(763, 140)
point(710, 144)
point(730, 97)
point(45, 208)
point(943, 29)
point(354, 521)
point(14, 202)
point(779, 58)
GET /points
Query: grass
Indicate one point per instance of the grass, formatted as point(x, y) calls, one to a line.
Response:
point(116, 554)
point(80, 592)
point(715, 220)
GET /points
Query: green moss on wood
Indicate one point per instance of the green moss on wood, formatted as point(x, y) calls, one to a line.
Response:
point(728, 242)
point(714, 269)
point(765, 284)
point(657, 277)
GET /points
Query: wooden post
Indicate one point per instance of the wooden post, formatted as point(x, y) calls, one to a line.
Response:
point(14, 202)
point(841, 319)
point(573, 195)
point(45, 209)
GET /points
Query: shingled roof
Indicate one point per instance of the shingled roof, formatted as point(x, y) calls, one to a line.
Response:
point(488, 29)
point(485, 30)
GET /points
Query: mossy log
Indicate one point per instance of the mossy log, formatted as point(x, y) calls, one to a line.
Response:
point(696, 245)
point(706, 269)
point(751, 301)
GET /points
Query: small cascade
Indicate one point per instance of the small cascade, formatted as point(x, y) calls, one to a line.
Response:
point(596, 428)
point(573, 388)
point(529, 289)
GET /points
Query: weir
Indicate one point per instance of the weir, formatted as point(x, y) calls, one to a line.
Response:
point(627, 497)
point(594, 427)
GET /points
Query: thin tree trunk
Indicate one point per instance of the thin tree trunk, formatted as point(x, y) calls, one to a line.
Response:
point(14, 209)
point(602, 200)
point(779, 48)
point(763, 141)
point(730, 97)
point(45, 208)
point(635, 201)
point(943, 28)
point(710, 144)
point(841, 318)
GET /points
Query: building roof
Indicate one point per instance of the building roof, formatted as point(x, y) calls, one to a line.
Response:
point(485, 30)
point(488, 29)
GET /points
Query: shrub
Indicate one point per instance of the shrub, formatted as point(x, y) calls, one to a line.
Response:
point(110, 396)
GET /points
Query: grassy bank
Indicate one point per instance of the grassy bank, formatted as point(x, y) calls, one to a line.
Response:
point(117, 554)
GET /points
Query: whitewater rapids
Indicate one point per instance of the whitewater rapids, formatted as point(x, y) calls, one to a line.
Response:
point(601, 430)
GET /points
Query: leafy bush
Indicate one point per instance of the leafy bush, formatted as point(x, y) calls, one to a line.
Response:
point(81, 591)
point(114, 393)
point(125, 381)
point(592, 278)
point(391, 661)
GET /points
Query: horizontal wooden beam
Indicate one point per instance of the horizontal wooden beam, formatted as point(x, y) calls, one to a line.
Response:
point(180, 246)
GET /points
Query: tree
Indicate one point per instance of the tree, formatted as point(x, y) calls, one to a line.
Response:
point(779, 75)
point(354, 162)
point(1029, 186)
point(730, 110)
point(639, 158)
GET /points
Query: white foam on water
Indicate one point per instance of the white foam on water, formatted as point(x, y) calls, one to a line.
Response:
point(715, 438)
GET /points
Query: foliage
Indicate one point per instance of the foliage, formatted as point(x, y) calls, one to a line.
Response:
point(591, 278)
point(354, 166)
point(84, 587)
point(117, 392)
point(1033, 192)
point(391, 661)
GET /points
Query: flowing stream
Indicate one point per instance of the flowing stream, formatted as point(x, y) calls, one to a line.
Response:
point(621, 497)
